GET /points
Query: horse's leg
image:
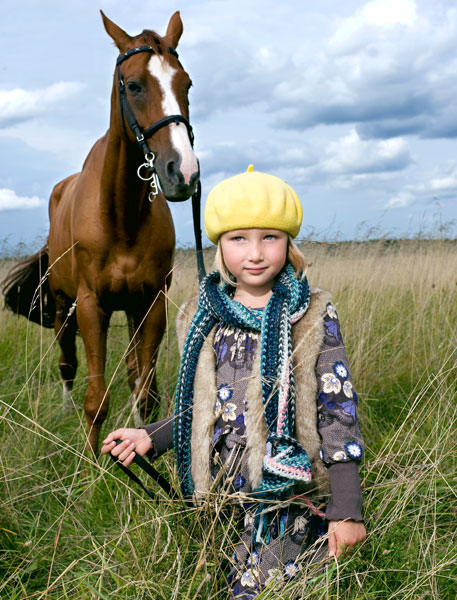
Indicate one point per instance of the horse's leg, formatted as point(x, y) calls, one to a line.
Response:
point(93, 324)
point(133, 365)
point(150, 331)
point(65, 331)
point(132, 359)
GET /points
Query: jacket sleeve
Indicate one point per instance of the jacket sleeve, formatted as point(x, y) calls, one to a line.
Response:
point(338, 425)
point(161, 436)
point(346, 498)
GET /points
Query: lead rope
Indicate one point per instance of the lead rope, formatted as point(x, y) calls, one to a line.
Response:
point(150, 175)
point(198, 231)
point(171, 492)
point(149, 469)
point(143, 464)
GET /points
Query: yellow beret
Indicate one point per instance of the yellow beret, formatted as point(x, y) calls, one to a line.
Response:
point(252, 199)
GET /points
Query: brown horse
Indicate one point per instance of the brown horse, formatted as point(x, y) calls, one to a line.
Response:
point(111, 237)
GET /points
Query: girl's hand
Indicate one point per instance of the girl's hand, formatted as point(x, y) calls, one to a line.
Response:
point(343, 535)
point(133, 441)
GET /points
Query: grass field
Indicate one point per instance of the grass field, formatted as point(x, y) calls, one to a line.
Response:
point(74, 528)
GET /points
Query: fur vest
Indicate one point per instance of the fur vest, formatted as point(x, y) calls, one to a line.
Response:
point(307, 336)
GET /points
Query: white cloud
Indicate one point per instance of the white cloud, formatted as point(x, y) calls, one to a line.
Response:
point(390, 12)
point(444, 184)
point(224, 159)
point(9, 200)
point(352, 155)
point(400, 200)
point(19, 104)
point(376, 72)
point(70, 145)
point(371, 23)
point(438, 187)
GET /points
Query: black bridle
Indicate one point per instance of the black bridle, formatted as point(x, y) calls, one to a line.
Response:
point(142, 135)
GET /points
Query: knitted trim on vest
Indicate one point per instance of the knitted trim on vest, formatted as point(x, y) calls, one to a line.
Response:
point(286, 461)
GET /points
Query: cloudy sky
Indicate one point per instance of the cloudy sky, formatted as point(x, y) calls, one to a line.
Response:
point(353, 103)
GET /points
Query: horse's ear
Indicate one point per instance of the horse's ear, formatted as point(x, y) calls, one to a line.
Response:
point(174, 30)
point(122, 40)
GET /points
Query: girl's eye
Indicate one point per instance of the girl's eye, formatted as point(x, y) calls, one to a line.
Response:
point(238, 238)
point(270, 236)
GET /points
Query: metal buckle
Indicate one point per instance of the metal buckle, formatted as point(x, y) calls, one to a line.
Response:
point(148, 165)
point(154, 188)
point(152, 178)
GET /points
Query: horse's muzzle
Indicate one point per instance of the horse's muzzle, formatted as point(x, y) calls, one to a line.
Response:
point(174, 186)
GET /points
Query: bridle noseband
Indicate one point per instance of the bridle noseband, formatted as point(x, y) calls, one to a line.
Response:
point(143, 134)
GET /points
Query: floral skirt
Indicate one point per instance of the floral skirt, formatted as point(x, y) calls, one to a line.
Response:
point(294, 542)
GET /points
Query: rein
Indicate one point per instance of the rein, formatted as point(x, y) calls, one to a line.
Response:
point(198, 232)
point(143, 464)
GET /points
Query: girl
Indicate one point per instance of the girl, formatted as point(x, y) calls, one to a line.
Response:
point(265, 407)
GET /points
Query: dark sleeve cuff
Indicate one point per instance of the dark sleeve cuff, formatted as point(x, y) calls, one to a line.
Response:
point(161, 436)
point(346, 500)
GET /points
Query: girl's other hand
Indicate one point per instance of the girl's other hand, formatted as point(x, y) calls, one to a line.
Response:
point(343, 535)
point(133, 441)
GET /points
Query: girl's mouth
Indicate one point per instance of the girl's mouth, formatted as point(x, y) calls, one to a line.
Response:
point(255, 270)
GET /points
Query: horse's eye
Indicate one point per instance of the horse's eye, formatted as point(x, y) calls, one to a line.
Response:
point(134, 87)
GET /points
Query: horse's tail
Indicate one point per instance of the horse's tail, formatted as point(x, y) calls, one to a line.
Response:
point(26, 289)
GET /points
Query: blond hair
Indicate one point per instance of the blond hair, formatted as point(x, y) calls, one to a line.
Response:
point(294, 256)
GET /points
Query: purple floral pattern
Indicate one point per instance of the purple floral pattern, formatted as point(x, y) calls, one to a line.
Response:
point(341, 441)
point(337, 400)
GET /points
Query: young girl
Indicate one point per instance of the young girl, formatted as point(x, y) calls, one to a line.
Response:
point(265, 407)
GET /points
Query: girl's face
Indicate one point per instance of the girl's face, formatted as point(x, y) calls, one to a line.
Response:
point(254, 257)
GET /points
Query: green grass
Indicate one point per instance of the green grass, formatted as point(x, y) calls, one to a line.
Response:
point(74, 528)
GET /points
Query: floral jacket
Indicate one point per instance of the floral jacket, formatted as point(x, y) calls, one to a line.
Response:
point(327, 426)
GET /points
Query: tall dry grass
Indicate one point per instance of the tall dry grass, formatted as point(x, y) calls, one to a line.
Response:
point(73, 528)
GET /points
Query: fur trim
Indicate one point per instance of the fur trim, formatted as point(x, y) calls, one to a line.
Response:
point(204, 416)
point(256, 427)
point(205, 390)
point(307, 336)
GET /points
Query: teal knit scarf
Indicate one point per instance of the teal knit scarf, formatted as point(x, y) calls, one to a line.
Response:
point(286, 461)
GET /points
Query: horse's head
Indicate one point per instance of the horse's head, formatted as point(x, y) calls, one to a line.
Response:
point(151, 85)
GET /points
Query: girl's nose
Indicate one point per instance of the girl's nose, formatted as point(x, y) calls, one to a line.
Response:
point(255, 252)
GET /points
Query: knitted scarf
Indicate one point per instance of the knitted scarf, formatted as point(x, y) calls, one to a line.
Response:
point(286, 461)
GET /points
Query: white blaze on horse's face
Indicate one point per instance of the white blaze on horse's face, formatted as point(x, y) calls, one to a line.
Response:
point(164, 74)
